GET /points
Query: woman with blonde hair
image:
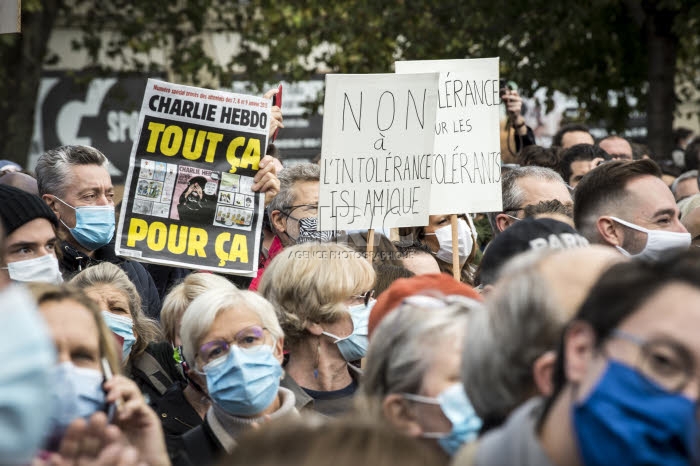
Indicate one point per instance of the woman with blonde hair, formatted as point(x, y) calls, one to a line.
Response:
point(322, 294)
point(145, 358)
point(180, 296)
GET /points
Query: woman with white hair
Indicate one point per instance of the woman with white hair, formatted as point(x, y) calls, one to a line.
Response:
point(412, 377)
point(322, 295)
point(233, 339)
point(185, 403)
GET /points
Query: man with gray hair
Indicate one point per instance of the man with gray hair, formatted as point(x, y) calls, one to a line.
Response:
point(75, 183)
point(685, 185)
point(525, 186)
point(510, 346)
point(293, 213)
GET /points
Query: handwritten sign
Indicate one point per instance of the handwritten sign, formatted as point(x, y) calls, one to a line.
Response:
point(377, 150)
point(467, 164)
point(188, 200)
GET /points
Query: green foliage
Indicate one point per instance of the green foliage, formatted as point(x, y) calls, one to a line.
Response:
point(589, 50)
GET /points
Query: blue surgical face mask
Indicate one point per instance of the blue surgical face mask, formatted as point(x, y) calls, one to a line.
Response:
point(354, 346)
point(627, 419)
point(124, 327)
point(25, 378)
point(94, 225)
point(76, 392)
point(456, 407)
point(246, 381)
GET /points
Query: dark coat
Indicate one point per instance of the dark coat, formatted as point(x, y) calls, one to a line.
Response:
point(73, 261)
point(177, 416)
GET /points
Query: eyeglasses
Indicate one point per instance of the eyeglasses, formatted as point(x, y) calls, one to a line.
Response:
point(665, 363)
point(249, 337)
point(311, 209)
point(364, 297)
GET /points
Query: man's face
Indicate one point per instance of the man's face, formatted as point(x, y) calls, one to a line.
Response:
point(86, 185)
point(618, 148)
point(578, 169)
point(305, 205)
point(687, 188)
point(650, 205)
point(535, 191)
point(32, 240)
point(572, 138)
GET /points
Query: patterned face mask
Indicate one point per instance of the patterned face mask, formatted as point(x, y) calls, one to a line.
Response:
point(308, 232)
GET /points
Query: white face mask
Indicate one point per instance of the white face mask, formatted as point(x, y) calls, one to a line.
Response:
point(42, 269)
point(444, 237)
point(659, 242)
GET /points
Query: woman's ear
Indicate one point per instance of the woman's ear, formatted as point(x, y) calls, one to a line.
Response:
point(314, 329)
point(397, 411)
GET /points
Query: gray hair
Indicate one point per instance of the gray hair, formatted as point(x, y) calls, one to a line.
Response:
point(519, 324)
point(403, 348)
point(288, 178)
point(683, 177)
point(200, 316)
point(53, 169)
point(513, 194)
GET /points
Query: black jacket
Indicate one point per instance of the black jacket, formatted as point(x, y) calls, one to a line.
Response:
point(73, 261)
point(154, 371)
point(165, 277)
point(177, 416)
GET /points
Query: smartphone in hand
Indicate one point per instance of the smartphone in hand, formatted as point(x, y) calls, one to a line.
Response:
point(111, 408)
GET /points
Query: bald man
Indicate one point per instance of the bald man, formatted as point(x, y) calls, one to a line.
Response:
point(20, 180)
point(617, 147)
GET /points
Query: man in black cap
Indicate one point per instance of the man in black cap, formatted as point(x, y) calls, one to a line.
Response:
point(29, 224)
point(526, 235)
point(195, 206)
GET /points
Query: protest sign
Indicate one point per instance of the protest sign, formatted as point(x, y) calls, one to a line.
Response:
point(188, 200)
point(378, 133)
point(467, 164)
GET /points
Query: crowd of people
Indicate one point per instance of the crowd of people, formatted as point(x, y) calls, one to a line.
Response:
point(571, 337)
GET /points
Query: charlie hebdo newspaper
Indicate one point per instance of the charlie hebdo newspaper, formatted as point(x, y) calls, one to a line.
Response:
point(188, 200)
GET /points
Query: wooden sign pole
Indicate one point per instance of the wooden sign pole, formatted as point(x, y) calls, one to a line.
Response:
point(456, 272)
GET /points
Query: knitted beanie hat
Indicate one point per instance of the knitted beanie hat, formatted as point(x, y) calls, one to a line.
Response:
point(18, 207)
